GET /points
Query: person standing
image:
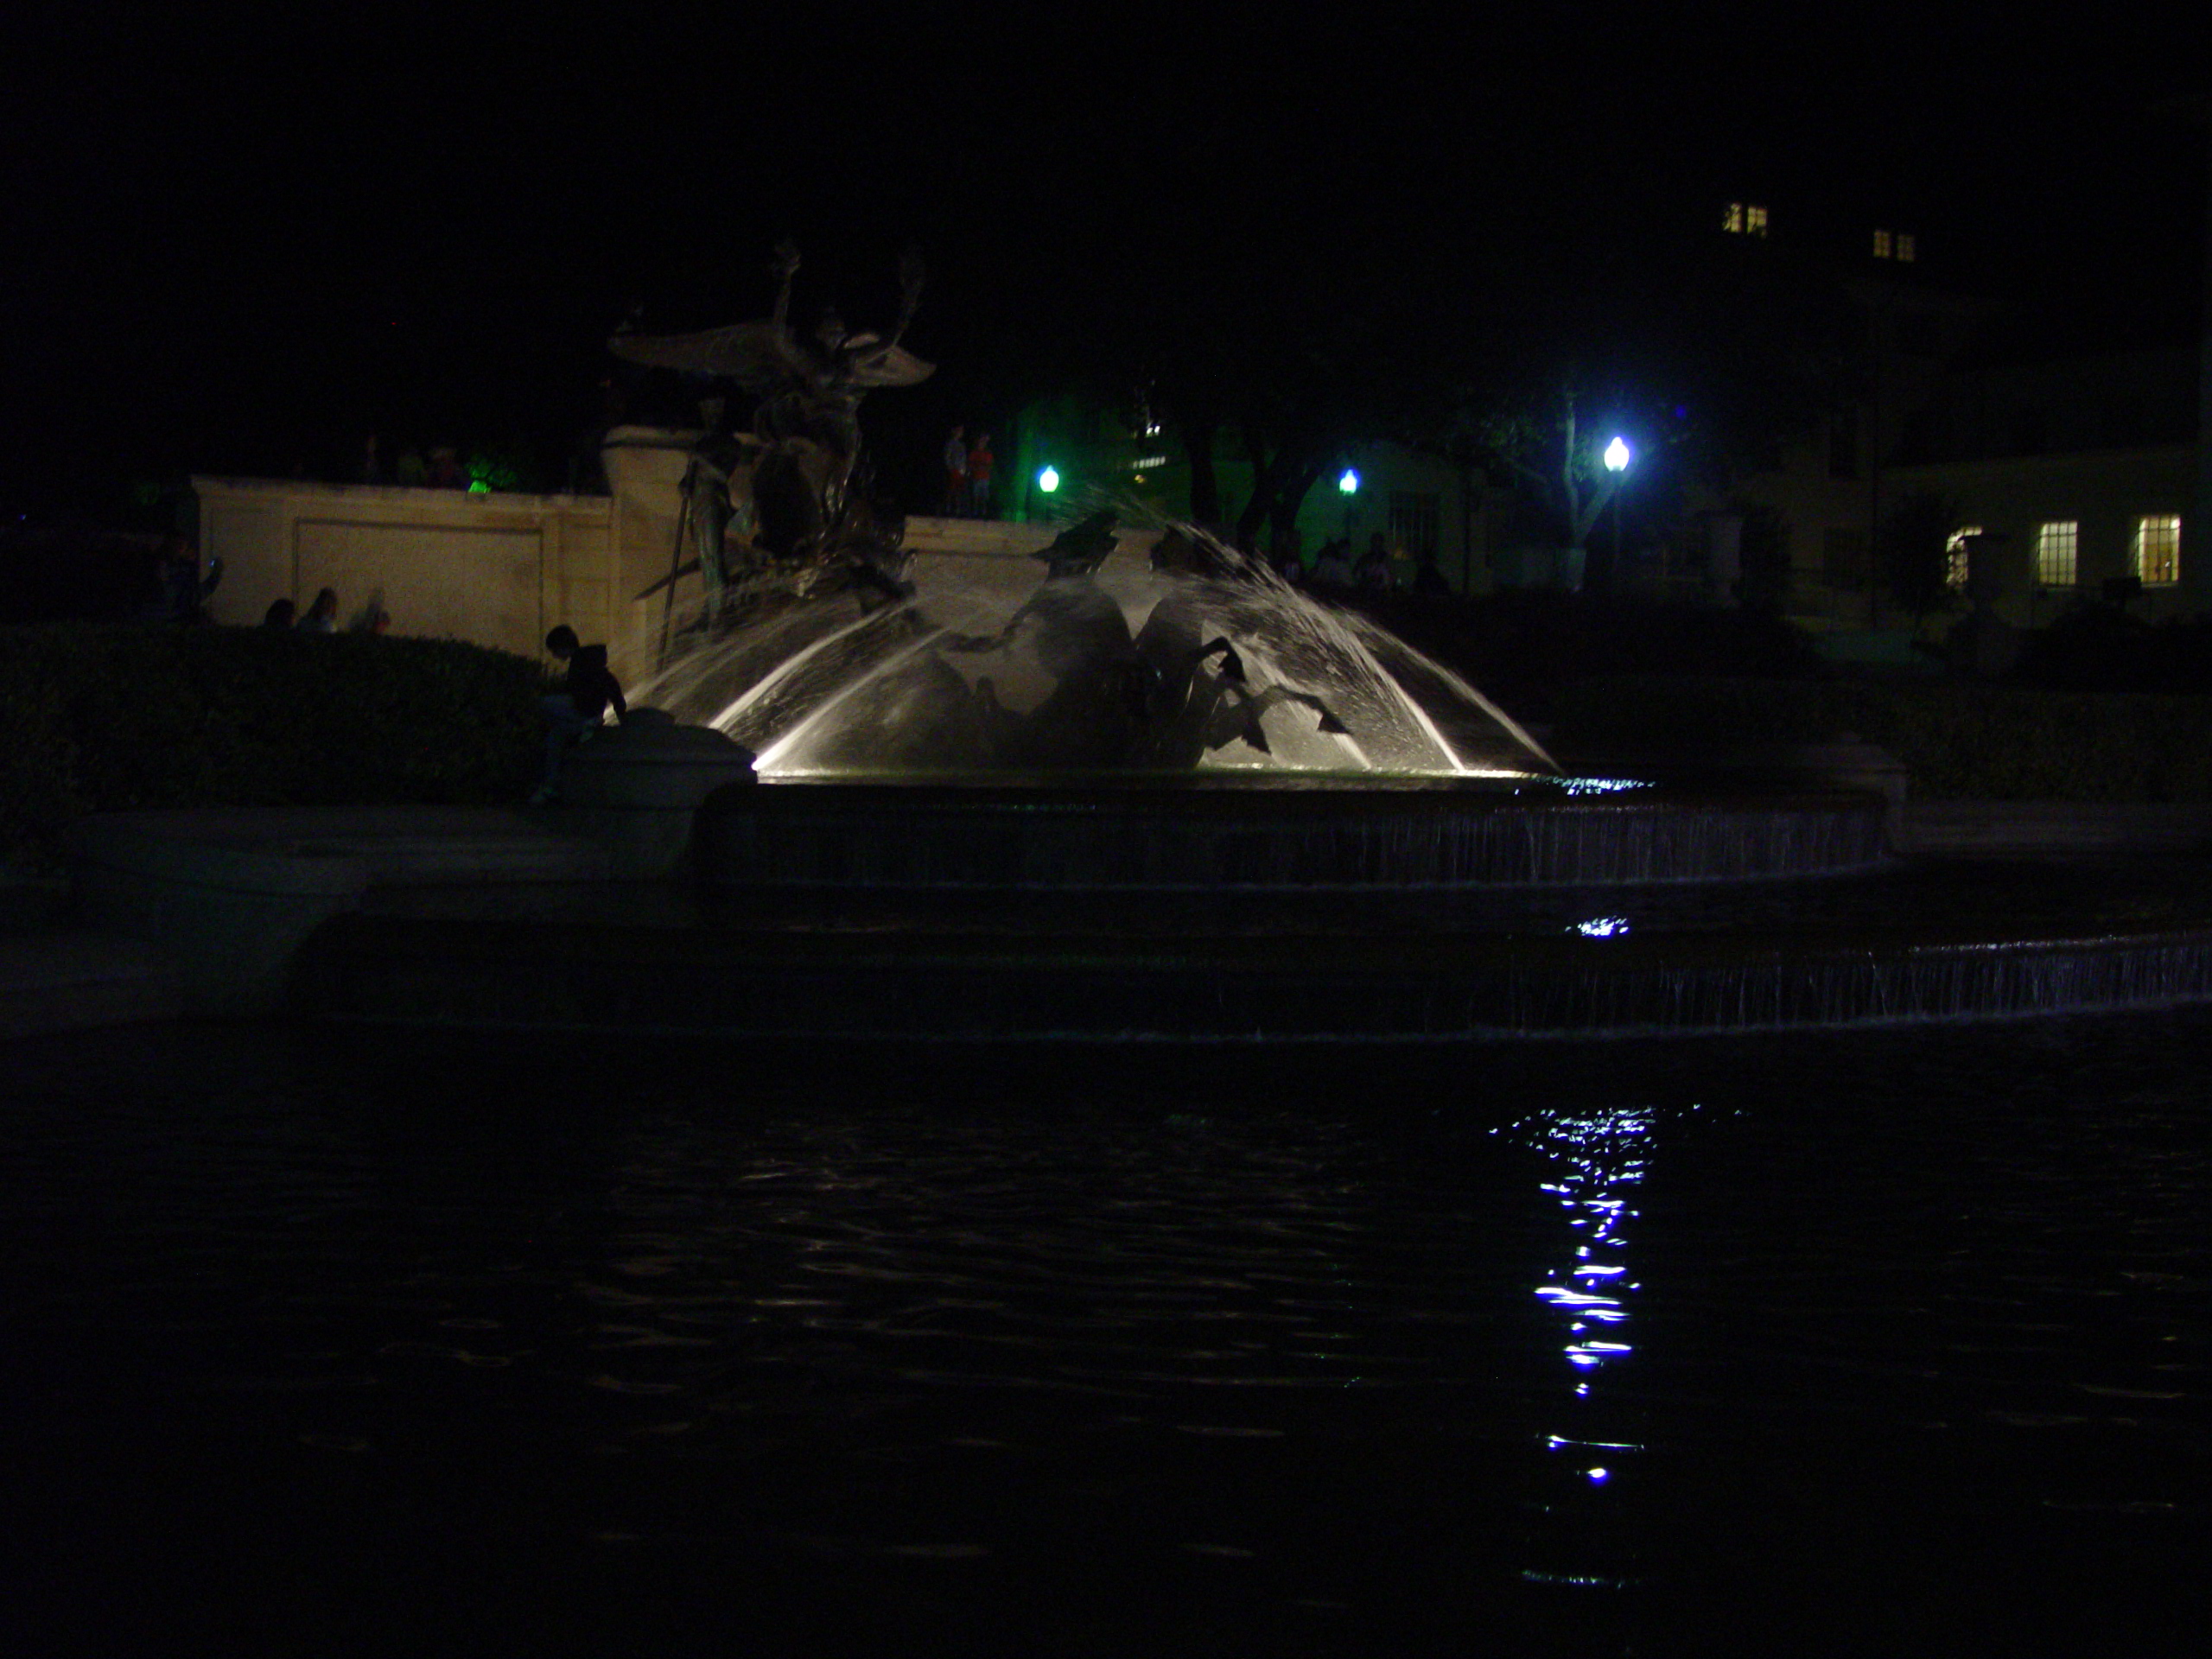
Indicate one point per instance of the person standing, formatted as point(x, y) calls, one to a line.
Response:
point(181, 587)
point(446, 470)
point(981, 462)
point(1372, 573)
point(1332, 570)
point(956, 472)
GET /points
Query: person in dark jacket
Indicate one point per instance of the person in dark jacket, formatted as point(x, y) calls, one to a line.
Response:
point(579, 708)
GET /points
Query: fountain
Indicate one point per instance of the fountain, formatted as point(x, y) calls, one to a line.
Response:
point(1136, 788)
point(1169, 719)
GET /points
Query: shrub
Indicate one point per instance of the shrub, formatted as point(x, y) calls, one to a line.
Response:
point(103, 718)
point(1959, 740)
point(2102, 647)
point(1518, 644)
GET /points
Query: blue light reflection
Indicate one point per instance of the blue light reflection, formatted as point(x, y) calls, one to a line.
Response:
point(1600, 785)
point(1594, 1159)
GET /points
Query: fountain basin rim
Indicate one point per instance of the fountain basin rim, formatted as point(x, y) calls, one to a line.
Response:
point(1146, 835)
point(1068, 781)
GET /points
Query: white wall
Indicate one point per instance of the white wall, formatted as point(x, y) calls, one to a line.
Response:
point(493, 569)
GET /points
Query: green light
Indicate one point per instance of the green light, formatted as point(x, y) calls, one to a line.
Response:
point(1349, 484)
point(1049, 479)
point(480, 488)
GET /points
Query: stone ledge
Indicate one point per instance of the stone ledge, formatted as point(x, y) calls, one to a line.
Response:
point(2055, 828)
point(228, 895)
point(67, 979)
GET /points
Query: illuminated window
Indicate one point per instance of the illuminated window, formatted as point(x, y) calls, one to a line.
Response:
point(1744, 219)
point(1905, 247)
point(2055, 553)
point(1754, 221)
point(1955, 557)
point(1883, 247)
point(2158, 550)
point(1732, 218)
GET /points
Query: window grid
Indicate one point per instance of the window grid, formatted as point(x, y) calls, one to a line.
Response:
point(1955, 557)
point(2158, 550)
point(1905, 247)
point(2056, 545)
point(1744, 219)
point(1882, 249)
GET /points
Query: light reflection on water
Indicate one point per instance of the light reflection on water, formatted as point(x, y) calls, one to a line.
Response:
point(1295, 1349)
point(1594, 1160)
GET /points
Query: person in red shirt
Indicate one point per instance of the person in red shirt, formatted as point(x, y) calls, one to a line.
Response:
point(980, 462)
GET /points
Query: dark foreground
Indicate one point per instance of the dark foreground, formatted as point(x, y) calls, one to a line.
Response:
point(1889, 1343)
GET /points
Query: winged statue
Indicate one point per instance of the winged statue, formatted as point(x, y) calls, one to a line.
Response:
point(796, 470)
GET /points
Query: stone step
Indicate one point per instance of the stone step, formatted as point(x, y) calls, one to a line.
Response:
point(636, 983)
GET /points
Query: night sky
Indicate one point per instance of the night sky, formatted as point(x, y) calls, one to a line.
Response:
point(240, 246)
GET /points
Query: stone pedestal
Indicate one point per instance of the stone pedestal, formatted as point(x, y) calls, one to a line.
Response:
point(635, 788)
point(230, 909)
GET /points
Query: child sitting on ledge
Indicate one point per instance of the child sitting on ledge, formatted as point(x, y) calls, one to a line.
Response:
point(582, 704)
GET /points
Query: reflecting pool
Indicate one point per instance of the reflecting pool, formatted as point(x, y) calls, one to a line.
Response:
point(1806, 1343)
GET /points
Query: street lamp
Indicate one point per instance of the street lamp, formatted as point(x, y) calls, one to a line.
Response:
point(1348, 487)
point(1049, 479)
point(1617, 456)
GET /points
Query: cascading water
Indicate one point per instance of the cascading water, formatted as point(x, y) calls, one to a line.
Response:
point(991, 669)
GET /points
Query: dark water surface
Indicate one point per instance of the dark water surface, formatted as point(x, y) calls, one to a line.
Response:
point(1869, 1343)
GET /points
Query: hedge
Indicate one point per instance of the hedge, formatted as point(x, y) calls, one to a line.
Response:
point(1960, 740)
point(103, 718)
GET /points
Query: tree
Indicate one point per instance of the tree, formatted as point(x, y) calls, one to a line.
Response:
point(1705, 354)
point(1551, 448)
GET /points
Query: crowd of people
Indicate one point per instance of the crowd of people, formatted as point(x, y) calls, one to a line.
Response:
point(967, 469)
point(439, 468)
point(1380, 569)
point(321, 616)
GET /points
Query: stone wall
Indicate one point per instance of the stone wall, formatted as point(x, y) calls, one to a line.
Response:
point(500, 570)
point(493, 569)
point(2104, 492)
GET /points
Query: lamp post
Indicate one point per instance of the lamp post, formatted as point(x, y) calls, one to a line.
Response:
point(1348, 487)
point(1617, 458)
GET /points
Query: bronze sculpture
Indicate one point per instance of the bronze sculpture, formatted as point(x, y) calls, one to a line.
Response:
point(801, 468)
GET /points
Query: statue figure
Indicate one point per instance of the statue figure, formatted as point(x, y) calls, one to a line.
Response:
point(808, 476)
point(1159, 700)
point(1195, 696)
point(715, 461)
